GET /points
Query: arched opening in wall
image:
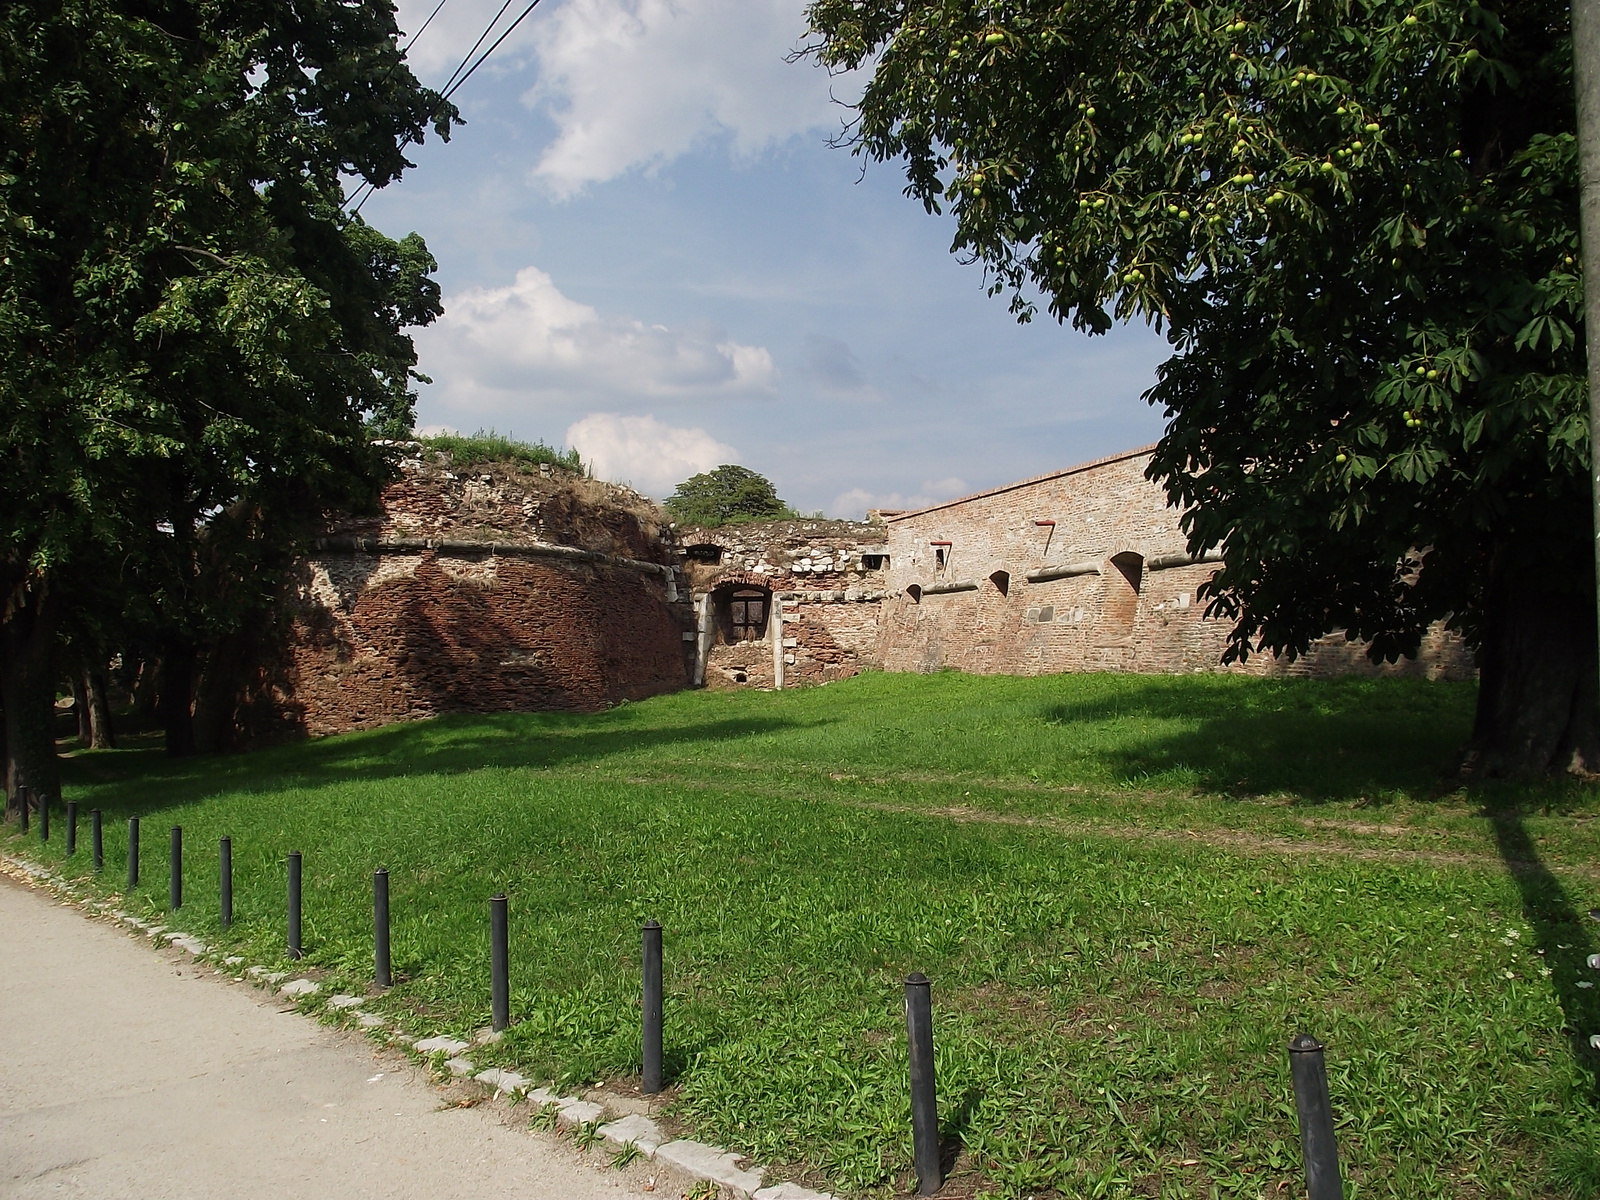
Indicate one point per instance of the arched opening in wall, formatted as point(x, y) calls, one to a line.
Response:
point(706, 553)
point(1002, 582)
point(1121, 603)
point(741, 613)
point(914, 593)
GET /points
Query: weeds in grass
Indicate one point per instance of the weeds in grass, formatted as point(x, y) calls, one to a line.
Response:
point(487, 446)
point(1129, 892)
point(706, 1189)
point(544, 1118)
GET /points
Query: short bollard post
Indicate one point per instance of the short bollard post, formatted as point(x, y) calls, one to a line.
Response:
point(651, 1014)
point(380, 928)
point(1317, 1147)
point(72, 828)
point(225, 879)
point(175, 872)
point(133, 853)
point(924, 1110)
point(294, 904)
point(499, 966)
point(22, 804)
point(44, 816)
point(97, 839)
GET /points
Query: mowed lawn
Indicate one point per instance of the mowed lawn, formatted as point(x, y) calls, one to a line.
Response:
point(1128, 891)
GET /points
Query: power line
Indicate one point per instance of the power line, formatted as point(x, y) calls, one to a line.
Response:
point(509, 31)
point(487, 30)
point(412, 40)
point(453, 84)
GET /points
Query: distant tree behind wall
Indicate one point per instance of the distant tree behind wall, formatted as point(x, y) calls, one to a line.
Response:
point(724, 496)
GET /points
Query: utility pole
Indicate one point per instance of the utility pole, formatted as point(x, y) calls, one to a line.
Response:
point(1586, 80)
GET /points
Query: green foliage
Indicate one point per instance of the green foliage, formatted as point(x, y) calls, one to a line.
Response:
point(1355, 219)
point(586, 1136)
point(195, 337)
point(626, 1155)
point(726, 496)
point(487, 446)
point(1129, 892)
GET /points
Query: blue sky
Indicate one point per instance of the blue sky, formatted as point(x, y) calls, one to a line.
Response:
point(649, 251)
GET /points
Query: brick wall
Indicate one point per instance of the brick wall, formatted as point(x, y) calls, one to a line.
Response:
point(396, 620)
point(374, 639)
point(1114, 587)
point(827, 578)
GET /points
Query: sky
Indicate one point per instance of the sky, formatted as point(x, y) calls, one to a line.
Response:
point(650, 252)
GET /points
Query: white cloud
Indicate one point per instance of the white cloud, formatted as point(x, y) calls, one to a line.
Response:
point(857, 501)
point(648, 454)
point(527, 343)
point(635, 83)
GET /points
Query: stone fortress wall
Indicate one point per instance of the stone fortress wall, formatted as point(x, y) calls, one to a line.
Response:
point(818, 586)
point(1084, 569)
point(506, 589)
point(499, 589)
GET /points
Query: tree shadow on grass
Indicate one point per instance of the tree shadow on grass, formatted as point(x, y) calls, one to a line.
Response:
point(147, 782)
point(1321, 740)
point(1565, 937)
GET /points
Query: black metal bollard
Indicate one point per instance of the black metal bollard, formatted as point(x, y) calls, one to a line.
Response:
point(133, 853)
point(499, 964)
point(1318, 1149)
point(44, 816)
point(72, 828)
point(924, 1107)
point(651, 1013)
point(22, 804)
point(225, 879)
point(97, 839)
point(380, 928)
point(294, 904)
point(175, 870)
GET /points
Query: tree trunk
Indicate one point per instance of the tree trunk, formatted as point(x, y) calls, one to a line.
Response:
point(1538, 697)
point(80, 707)
point(177, 697)
point(27, 692)
point(101, 734)
point(216, 702)
point(145, 697)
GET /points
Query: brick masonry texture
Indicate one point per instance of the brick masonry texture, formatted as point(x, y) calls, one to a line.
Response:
point(427, 626)
point(827, 578)
point(372, 638)
point(1123, 595)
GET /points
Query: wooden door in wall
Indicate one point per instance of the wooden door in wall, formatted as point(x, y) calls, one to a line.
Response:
point(748, 613)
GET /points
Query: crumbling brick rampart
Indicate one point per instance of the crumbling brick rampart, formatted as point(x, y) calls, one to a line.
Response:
point(376, 638)
point(491, 590)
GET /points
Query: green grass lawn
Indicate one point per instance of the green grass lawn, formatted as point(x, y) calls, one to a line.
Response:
point(1128, 891)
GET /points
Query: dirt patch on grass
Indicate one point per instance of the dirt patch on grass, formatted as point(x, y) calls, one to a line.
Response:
point(1223, 839)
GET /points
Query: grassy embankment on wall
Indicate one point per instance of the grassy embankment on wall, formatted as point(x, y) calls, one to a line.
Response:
point(1129, 892)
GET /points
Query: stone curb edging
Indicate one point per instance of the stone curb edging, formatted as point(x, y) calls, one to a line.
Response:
point(695, 1159)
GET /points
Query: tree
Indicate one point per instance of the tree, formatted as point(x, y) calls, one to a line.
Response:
point(194, 335)
point(724, 496)
point(1355, 220)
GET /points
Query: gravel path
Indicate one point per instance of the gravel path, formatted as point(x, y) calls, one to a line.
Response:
point(126, 1072)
